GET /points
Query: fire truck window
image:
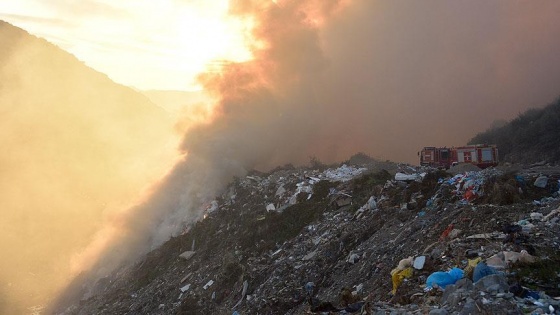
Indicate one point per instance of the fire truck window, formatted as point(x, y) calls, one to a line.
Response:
point(486, 155)
point(444, 155)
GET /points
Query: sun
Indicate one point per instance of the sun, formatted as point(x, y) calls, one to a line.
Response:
point(142, 43)
point(185, 39)
point(208, 36)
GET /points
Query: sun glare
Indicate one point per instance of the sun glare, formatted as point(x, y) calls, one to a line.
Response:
point(208, 37)
point(181, 40)
point(141, 43)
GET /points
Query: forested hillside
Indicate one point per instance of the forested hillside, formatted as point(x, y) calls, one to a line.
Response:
point(533, 136)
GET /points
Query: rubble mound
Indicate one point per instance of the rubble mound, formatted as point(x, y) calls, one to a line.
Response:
point(463, 167)
point(353, 239)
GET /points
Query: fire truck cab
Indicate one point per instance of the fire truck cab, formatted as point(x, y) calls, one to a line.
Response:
point(481, 155)
point(436, 157)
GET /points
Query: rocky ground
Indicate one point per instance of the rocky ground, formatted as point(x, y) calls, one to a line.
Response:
point(302, 241)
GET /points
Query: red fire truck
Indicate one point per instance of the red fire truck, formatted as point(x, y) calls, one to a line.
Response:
point(481, 155)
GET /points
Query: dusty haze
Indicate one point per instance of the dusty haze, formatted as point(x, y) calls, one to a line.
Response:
point(411, 74)
point(331, 78)
point(76, 148)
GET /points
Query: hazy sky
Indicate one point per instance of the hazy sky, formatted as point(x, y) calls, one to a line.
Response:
point(140, 43)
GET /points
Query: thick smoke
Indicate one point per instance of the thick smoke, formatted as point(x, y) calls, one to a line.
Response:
point(332, 78)
point(265, 115)
point(404, 74)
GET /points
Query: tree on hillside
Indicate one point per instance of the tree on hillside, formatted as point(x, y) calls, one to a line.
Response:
point(531, 137)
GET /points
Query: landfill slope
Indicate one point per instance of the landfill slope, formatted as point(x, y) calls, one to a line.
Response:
point(303, 241)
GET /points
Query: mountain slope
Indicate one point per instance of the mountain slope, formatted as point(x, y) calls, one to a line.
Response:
point(175, 101)
point(533, 136)
point(76, 146)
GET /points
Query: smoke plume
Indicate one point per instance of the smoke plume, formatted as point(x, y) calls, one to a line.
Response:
point(264, 114)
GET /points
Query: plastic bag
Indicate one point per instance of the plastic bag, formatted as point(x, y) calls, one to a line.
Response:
point(482, 270)
point(442, 279)
point(470, 267)
point(397, 276)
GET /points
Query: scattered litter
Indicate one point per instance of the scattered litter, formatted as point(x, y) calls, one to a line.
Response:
point(419, 262)
point(551, 214)
point(343, 173)
point(482, 270)
point(353, 258)
point(472, 262)
point(442, 279)
point(185, 278)
point(309, 287)
point(208, 284)
point(403, 271)
point(187, 255)
point(537, 216)
point(243, 292)
point(455, 233)
point(185, 288)
point(503, 259)
point(410, 177)
point(541, 181)
point(309, 256)
point(494, 235)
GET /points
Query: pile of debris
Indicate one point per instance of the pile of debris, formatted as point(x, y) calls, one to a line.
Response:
point(350, 240)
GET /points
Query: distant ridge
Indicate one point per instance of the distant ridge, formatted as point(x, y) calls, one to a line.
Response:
point(174, 101)
point(532, 137)
point(76, 146)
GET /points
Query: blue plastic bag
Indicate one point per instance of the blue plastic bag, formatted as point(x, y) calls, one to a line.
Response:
point(482, 270)
point(443, 279)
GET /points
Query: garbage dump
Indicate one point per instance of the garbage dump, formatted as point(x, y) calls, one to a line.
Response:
point(353, 240)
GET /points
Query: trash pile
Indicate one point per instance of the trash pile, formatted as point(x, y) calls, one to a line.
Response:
point(283, 188)
point(464, 187)
point(351, 241)
point(470, 185)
